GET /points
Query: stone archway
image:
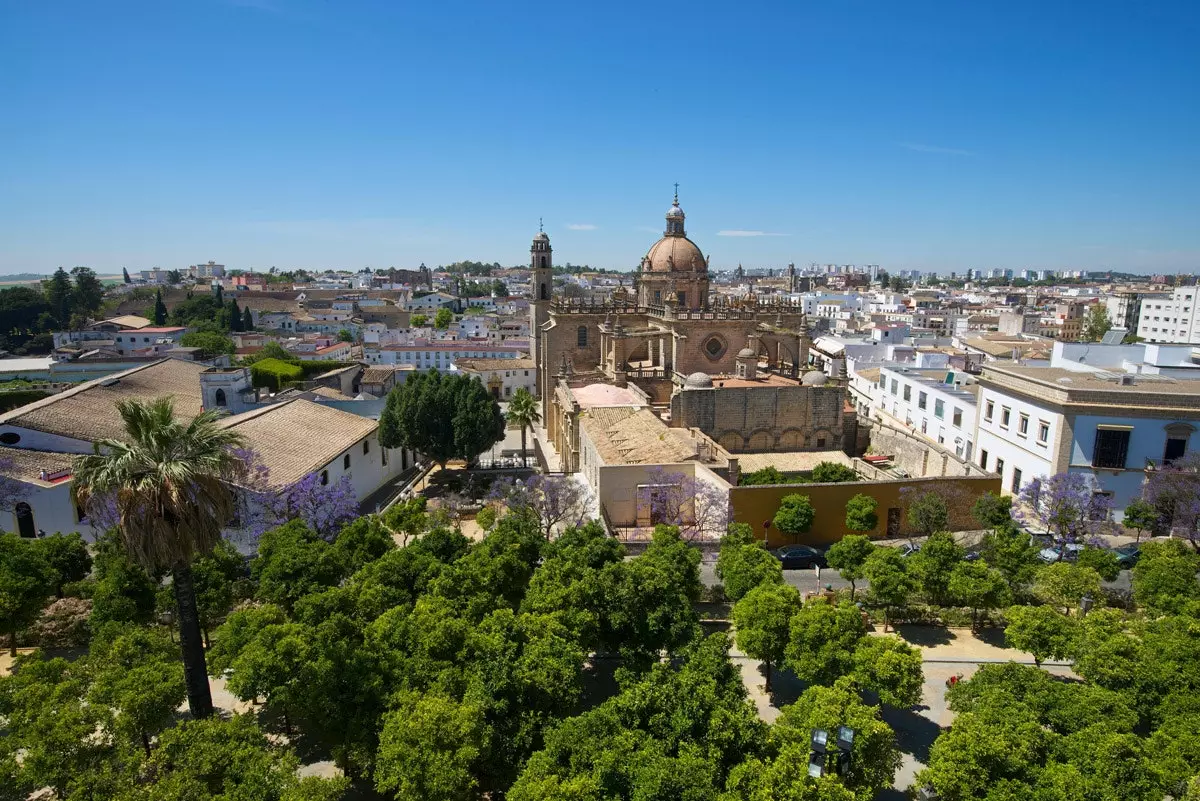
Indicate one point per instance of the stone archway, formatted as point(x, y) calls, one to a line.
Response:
point(760, 440)
point(732, 441)
point(792, 439)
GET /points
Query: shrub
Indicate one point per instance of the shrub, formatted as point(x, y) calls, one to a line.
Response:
point(832, 473)
point(63, 624)
point(274, 374)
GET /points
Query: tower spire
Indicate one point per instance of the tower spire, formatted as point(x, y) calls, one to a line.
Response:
point(677, 193)
point(540, 229)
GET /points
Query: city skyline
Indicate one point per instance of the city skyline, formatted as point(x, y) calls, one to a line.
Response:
point(296, 134)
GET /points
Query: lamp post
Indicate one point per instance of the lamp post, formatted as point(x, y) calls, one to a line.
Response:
point(1085, 605)
point(826, 757)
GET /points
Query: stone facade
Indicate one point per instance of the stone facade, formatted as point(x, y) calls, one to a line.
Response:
point(738, 370)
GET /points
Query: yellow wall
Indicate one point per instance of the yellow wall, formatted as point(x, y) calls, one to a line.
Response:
point(757, 505)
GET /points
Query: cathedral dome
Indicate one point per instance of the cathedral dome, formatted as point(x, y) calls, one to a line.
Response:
point(541, 236)
point(698, 381)
point(814, 378)
point(674, 254)
point(747, 353)
point(675, 210)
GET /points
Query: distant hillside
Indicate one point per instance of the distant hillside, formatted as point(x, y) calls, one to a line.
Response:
point(21, 278)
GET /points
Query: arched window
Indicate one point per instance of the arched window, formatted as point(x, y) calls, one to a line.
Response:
point(346, 462)
point(542, 262)
point(324, 477)
point(581, 336)
point(25, 525)
point(220, 397)
point(542, 292)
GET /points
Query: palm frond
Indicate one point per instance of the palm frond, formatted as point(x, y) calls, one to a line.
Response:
point(166, 479)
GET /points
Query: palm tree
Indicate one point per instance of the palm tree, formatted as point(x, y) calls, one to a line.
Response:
point(523, 411)
point(166, 484)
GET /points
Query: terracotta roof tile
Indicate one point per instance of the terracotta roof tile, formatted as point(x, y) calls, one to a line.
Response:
point(89, 412)
point(296, 437)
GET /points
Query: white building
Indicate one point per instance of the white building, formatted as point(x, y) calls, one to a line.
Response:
point(1172, 319)
point(1039, 421)
point(437, 355)
point(922, 401)
point(292, 439)
point(209, 270)
point(502, 377)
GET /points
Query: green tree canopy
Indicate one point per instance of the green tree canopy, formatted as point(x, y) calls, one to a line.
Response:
point(763, 619)
point(832, 473)
point(1041, 631)
point(443, 318)
point(795, 514)
point(978, 586)
point(860, 513)
point(890, 668)
point(849, 554)
point(27, 580)
point(1064, 585)
point(741, 568)
point(891, 584)
point(441, 416)
point(68, 555)
point(210, 343)
point(932, 566)
point(822, 641)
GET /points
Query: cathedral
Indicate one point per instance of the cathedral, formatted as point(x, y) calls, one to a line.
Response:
point(734, 370)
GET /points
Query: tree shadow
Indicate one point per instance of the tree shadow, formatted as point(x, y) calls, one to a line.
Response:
point(785, 687)
point(923, 635)
point(891, 794)
point(915, 733)
point(992, 635)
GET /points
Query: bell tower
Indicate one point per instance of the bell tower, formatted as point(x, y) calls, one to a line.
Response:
point(541, 267)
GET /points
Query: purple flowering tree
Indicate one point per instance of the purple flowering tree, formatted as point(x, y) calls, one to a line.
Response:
point(1174, 492)
point(699, 509)
point(556, 500)
point(1067, 506)
point(325, 508)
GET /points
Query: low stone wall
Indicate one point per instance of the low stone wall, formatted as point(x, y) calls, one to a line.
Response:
point(917, 456)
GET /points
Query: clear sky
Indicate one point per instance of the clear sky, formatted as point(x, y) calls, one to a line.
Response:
point(347, 133)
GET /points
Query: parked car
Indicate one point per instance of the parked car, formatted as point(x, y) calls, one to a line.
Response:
point(1068, 552)
point(908, 549)
point(1128, 555)
point(972, 556)
point(798, 557)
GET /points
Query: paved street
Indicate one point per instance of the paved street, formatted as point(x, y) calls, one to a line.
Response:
point(803, 580)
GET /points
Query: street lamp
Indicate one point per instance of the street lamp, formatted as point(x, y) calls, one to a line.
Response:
point(822, 758)
point(1085, 604)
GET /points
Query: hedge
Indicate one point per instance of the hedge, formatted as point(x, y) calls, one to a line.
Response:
point(16, 398)
point(275, 373)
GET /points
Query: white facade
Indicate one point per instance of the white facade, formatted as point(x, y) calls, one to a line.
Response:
point(501, 379)
point(439, 356)
point(1173, 319)
point(920, 401)
point(1028, 430)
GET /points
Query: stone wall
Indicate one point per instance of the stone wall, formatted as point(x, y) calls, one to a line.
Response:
point(915, 455)
point(766, 418)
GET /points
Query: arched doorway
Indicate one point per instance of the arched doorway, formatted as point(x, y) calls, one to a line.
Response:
point(25, 526)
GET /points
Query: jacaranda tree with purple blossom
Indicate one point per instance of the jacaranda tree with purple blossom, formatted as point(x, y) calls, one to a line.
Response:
point(1067, 506)
point(324, 508)
point(1174, 492)
point(556, 500)
point(699, 510)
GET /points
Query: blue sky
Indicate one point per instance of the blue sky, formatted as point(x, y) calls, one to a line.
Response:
point(346, 133)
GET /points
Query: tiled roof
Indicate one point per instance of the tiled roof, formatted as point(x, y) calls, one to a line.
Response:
point(331, 393)
point(27, 465)
point(376, 375)
point(89, 412)
point(624, 435)
point(296, 437)
point(519, 363)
